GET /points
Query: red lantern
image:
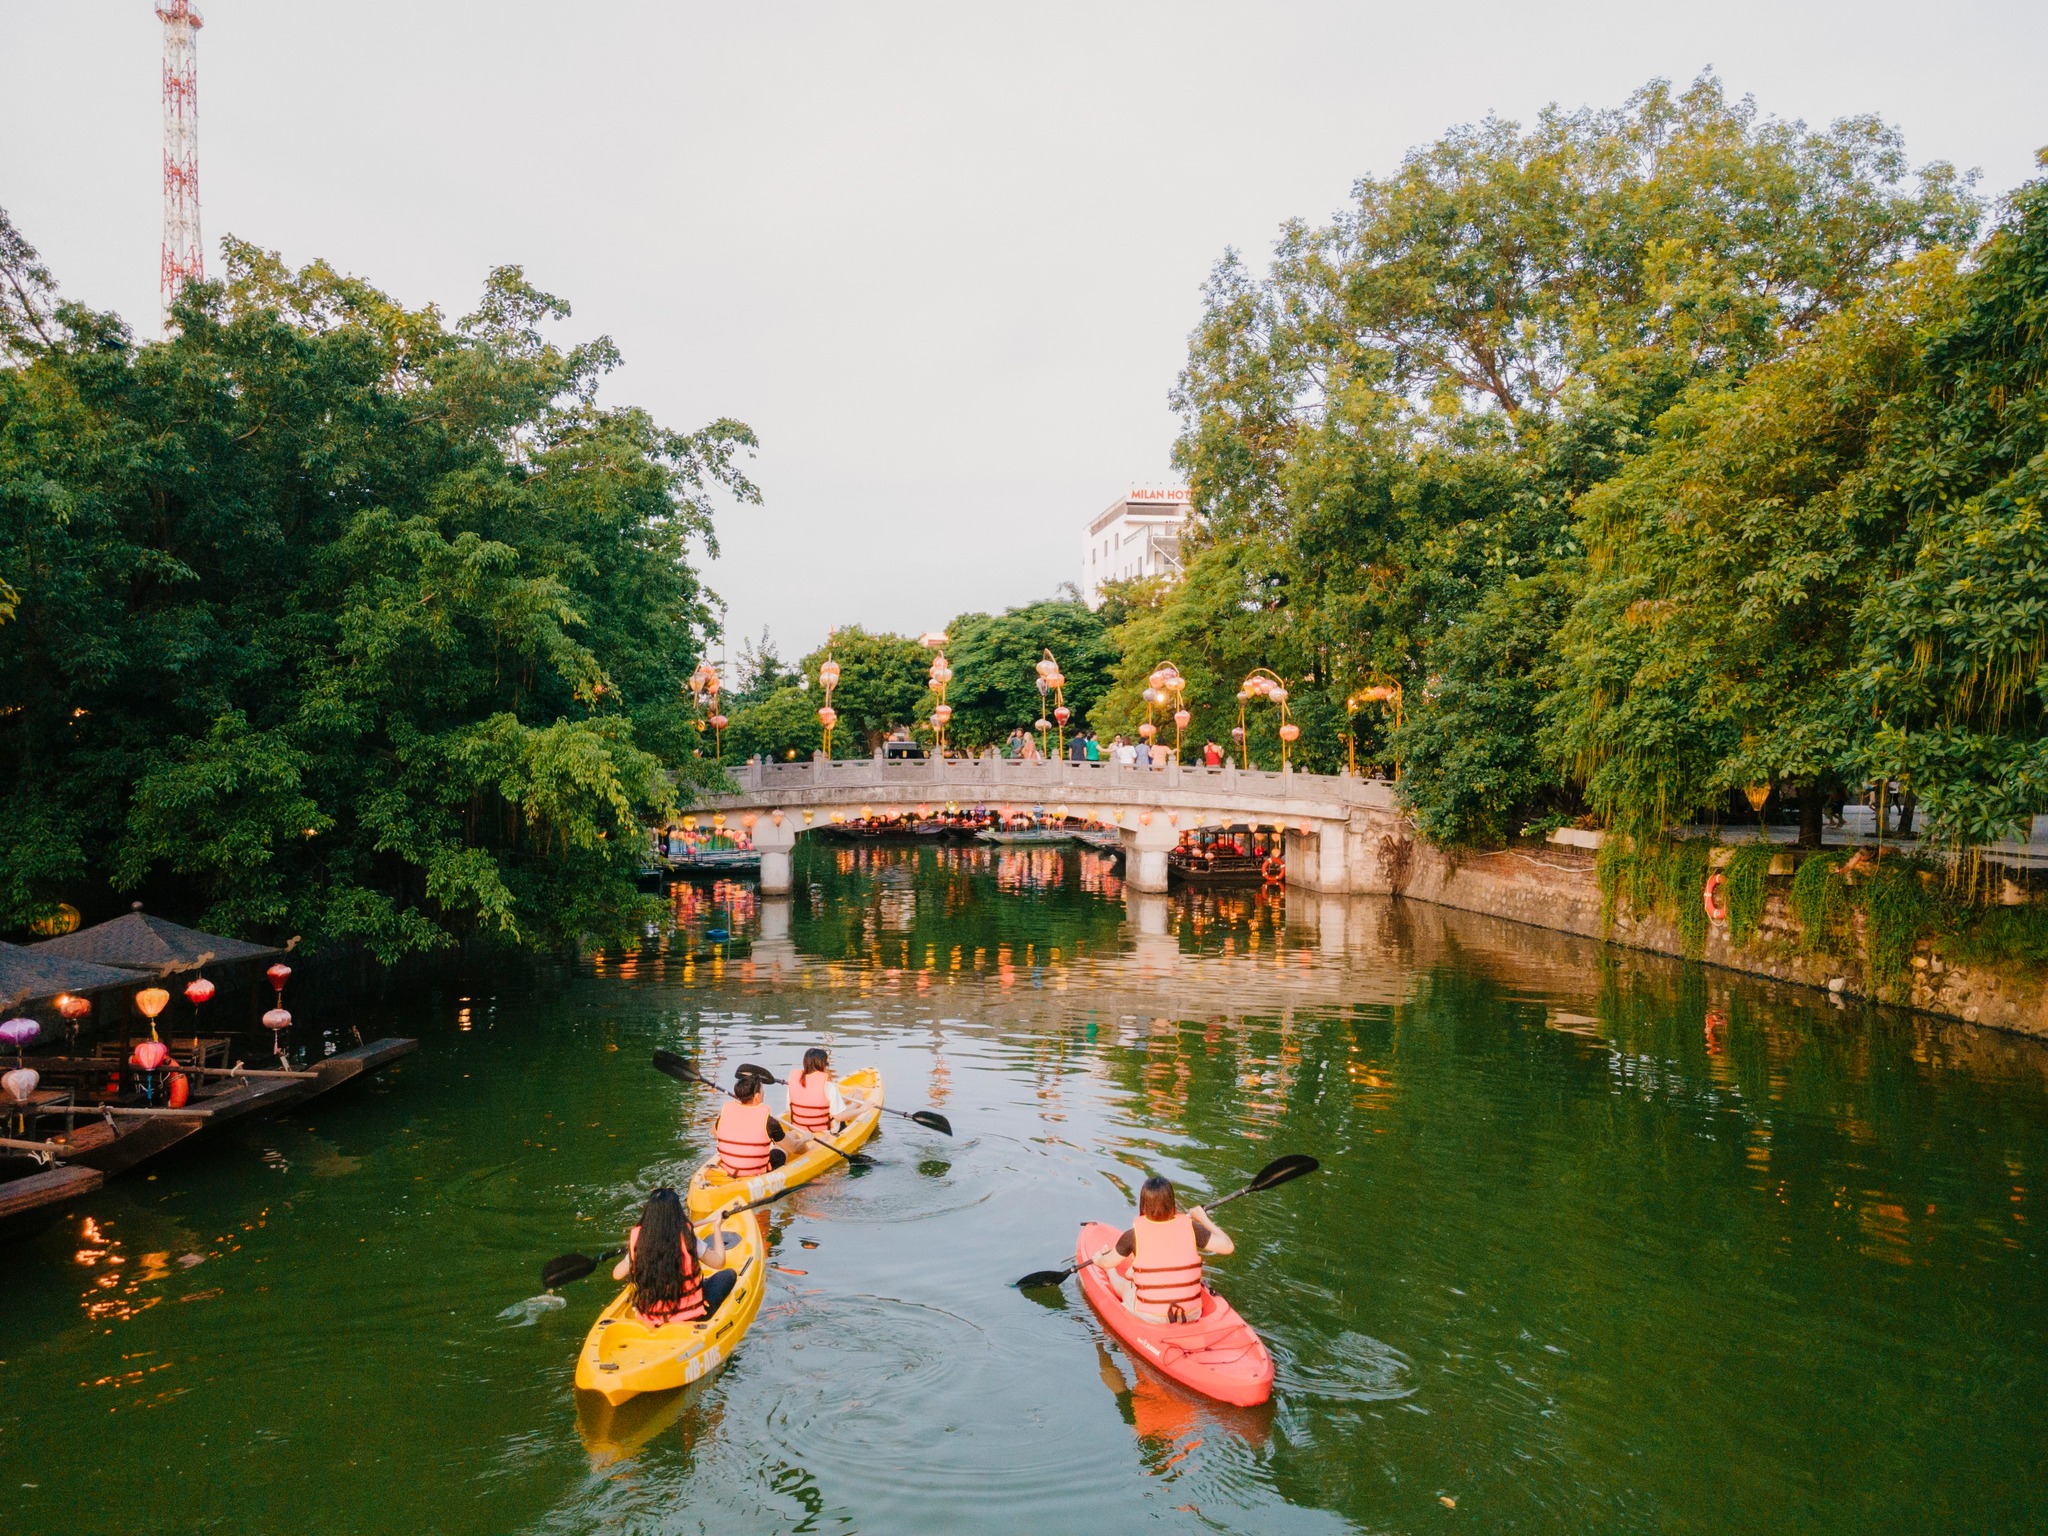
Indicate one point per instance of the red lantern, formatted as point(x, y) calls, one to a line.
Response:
point(828, 717)
point(73, 1007)
point(1290, 732)
point(279, 974)
point(150, 1054)
point(198, 990)
point(1063, 714)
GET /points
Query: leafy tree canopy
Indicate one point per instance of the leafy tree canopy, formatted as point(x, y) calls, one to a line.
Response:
point(337, 617)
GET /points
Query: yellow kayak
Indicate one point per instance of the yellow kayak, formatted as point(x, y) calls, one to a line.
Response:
point(623, 1356)
point(712, 1187)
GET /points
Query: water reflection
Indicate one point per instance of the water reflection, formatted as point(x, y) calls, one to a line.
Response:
point(1601, 1242)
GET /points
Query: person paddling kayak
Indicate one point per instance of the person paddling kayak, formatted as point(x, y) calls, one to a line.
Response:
point(669, 1280)
point(746, 1132)
point(815, 1102)
point(1163, 1281)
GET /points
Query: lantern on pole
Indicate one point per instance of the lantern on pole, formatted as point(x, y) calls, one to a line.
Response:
point(152, 1001)
point(1052, 702)
point(1166, 689)
point(1268, 685)
point(940, 675)
point(1378, 693)
point(828, 679)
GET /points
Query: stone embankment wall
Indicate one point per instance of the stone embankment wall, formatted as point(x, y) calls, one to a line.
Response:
point(1556, 887)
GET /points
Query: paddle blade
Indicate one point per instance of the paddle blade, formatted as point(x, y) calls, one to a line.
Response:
point(674, 1066)
point(557, 1273)
point(747, 1068)
point(933, 1119)
point(1281, 1169)
point(1040, 1278)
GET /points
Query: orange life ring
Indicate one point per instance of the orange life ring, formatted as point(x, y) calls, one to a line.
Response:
point(1274, 869)
point(1716, 908)
point(180, 1090)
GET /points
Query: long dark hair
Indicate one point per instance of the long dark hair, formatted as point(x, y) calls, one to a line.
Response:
point(1155, 1199)
point(815, 1060)
point(665, 1233)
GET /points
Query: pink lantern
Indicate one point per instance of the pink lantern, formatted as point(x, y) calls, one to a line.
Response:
point(73, 1007)
point(20, 1083)
point(277, 1018)
point(1181, 718)
point(828, 717)
point(150, 1054)
point(1063, 714)
point(279, 974)
point(1237, 733)
point(718, 722)
point(748, 820)
point(18, 1032)
point(828, 674)
point(1042, 725)
point(1056, 679)
point(1148, 730)
point(942, 714)
point(198, 990)
point(1277, 694)
point(1290, 732)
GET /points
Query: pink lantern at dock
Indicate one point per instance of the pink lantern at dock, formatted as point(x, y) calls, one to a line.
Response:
point(20, 1082)
point(17, 1033)
point(149, 1055)
point(277, 1021)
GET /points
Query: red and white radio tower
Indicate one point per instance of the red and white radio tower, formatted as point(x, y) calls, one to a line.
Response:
point(183, 255)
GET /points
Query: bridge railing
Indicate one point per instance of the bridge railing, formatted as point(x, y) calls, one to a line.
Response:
point(1043, 781)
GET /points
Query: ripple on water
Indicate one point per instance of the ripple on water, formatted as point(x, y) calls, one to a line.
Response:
point(1351, 1367)
point(850, 1382)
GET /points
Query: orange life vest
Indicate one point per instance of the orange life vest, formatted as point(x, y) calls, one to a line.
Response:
point(810, 1102)
point(687, 1308)
point(1166, 1268)
point(742, 1137)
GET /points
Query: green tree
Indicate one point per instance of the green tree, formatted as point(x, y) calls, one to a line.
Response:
point(995, 661)
point(882, 682)
point(338, 618)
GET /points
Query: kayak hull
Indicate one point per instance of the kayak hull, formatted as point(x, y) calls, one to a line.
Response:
point(1217, 1354)
point(711, 1187)
point(623, 1357)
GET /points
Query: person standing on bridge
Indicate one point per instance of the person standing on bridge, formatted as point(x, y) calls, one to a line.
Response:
point(1212, 755)
point(1077, 749)
point(1094, 747)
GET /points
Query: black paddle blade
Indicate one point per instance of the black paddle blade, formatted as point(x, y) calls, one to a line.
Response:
point(675, 1066)
point(1281, 1169)
point(748, 1069)
point(933, 1119)
point(557, 1273)
point(1040, 1278)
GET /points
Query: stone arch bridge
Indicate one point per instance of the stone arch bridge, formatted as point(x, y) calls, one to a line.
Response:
point(1343, 834)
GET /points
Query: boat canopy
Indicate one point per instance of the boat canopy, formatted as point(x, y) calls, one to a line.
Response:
point(139, 942)
point(28, 975)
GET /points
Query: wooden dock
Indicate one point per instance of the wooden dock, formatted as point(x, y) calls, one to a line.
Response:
point(98, 1145)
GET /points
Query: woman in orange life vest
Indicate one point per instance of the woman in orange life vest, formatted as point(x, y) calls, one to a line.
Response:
point(668, 1274)
point(746, 1132)
point(1165, 1247)
point(815, 1103)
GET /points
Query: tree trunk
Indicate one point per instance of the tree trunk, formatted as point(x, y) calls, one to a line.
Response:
point(1812, 806)
point(1908, 803)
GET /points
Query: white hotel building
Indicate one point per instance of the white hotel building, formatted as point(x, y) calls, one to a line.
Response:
point(1138, 535)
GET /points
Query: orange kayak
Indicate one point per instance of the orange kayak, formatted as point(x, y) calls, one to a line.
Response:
point(1217, 1354)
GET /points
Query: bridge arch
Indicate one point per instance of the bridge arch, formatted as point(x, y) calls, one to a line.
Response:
point(1339, 828)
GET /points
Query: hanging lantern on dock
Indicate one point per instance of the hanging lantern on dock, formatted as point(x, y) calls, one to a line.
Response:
point(152, 1001)
point(20, 1082)
point(72, 1006)
point(279, 974)
point(149, 1055)
point(199, 990)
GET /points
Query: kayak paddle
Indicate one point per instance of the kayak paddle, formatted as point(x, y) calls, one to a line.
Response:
point(931, 1119)
point(1280, 1171)
point(559, 1272)
point(677, 1067)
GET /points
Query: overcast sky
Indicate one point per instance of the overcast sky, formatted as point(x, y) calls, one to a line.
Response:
point(943, 258)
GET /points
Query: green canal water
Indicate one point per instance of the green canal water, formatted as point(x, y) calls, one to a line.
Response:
point(1583, 1257)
